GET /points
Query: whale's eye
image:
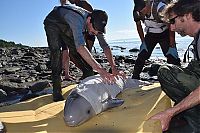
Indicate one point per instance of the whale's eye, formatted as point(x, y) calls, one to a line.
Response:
point(88, 112)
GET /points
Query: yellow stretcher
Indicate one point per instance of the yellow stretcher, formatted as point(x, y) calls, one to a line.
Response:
point(41, 115)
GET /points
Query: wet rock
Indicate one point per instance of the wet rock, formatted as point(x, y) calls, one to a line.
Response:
point(2, 70)
point(134, 50)
point(21, 68)
point(11, 86)
point(99, 60)
point(119, 58)
point(129, 60)
point(28, 54)
point(17, 80)
point(12, 70)
point(40, 85)
point(40, 67)
point(4, 63)
point(152, 69)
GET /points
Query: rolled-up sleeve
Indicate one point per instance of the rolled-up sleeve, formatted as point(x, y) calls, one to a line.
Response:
point(76, 24)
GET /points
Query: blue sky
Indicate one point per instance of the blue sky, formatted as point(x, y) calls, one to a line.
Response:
point(22, 20)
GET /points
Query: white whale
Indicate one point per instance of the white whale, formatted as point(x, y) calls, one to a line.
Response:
point(92, 96)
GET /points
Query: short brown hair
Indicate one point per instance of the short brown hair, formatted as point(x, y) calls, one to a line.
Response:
point(182, 7)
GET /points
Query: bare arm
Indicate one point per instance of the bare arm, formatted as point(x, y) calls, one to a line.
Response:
point(111, 61)
point(172, 38)
point(83, 51)
point(109, 56)
point(140, 30)
point(190, 101)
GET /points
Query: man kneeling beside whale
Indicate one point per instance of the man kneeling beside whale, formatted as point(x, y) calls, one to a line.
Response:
point(92, 96)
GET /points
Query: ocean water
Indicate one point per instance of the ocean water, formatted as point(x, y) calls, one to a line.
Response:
point(122, 47)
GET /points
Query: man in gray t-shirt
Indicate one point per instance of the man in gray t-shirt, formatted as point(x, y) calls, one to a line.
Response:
point(68, 23)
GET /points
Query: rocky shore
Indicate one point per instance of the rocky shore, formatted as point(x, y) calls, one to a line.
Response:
point(27, 68)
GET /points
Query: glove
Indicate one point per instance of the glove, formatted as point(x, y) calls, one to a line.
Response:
point(143, 46)
point(173, 52)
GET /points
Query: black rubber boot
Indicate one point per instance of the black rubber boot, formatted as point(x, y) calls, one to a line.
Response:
point(57, 92)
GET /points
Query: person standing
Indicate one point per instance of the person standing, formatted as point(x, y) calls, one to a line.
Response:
point(156, 32)
point(182, 85)
point(88, 38)
point(68, 23)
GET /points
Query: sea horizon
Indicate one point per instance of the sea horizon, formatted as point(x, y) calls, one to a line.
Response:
point(122, 47)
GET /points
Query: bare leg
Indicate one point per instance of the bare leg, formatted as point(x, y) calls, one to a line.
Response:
point(66, 64)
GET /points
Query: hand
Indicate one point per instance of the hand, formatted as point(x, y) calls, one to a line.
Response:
point(107, 77)
point(117, 73)
point(164, 117)
point(172, 51)
point(143, 46)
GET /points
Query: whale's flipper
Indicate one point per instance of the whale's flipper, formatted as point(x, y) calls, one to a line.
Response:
point(111, 103)
point(2, 128)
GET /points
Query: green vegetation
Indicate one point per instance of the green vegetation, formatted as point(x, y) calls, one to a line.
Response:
point(4, 43)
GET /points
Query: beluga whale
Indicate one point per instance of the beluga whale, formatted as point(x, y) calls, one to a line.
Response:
point(93, 96)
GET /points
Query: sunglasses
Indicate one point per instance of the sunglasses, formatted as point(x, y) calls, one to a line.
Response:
point(172, 20)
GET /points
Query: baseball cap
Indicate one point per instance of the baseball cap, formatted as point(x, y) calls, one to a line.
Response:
point(99, 20)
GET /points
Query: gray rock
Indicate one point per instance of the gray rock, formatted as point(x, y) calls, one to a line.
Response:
point(20, 68)
point(12, 70)
point(40, 85)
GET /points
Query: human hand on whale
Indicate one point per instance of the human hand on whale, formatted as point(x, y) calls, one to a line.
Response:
point(118, 73)
point(114, 73)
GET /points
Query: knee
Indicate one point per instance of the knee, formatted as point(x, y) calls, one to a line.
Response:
point(172, 60)
point(163, 70)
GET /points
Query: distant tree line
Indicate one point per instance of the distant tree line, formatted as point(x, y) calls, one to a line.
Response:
point(4, 43)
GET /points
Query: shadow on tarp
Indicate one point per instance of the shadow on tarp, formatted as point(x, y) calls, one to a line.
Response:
point(42, 115)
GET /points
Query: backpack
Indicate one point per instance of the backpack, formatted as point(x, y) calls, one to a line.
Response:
point(195, 50)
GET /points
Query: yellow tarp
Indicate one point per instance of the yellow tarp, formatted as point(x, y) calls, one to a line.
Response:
point(44, 116)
